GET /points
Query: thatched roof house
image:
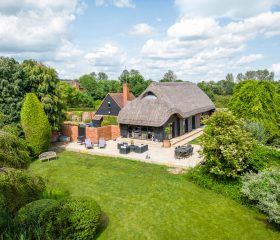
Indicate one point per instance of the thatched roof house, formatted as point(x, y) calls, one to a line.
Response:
point(176, 105)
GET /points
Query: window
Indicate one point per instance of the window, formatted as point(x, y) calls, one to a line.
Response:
point(150, 96)
point(109, 104)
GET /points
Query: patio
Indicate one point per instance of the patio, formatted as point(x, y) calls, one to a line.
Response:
point(158, 155)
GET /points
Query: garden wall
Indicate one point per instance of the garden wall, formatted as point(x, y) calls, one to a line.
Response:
point(108, 132)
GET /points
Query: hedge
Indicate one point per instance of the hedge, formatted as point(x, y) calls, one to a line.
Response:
point(35, 124)
point(109, 120)
point(81, 109)
point(13, 151)
point(71, 218)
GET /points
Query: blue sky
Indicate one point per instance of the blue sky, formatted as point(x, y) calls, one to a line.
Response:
point(198, 40)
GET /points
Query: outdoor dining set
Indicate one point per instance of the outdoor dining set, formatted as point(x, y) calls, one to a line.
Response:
point(183, 151)
point(125, 148)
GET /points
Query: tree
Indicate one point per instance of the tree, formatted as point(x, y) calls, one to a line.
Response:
point(256, 75)
point(205, 87)
point(11, 89)
point(35, 124)
point(102, 76)
point(258, 101)
point(74, 98)
point(43, 81)
point(226, 146)
point(137, 83)
point(169, 77)
point(229, 77)
point(89, 83)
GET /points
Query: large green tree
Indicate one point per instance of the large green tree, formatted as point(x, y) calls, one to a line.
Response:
point(12, 89)
point(258, 101)
point(137, 83)
point(43, 81)
point(73, 97)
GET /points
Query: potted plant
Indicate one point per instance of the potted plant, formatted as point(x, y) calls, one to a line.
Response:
point(166, 141)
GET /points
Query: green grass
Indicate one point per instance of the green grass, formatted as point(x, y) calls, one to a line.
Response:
point(144, 201)
point(195, 141)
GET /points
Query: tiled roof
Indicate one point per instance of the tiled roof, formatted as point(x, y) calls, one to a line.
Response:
point(118, 98)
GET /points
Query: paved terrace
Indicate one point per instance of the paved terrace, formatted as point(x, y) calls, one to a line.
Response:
point(158, 155)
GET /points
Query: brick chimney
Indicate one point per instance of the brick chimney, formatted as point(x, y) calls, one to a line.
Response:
point(125, 93)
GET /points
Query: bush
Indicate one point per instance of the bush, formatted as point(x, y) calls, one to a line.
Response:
point(257, 131)
point(13, 151)
point(30, 213)
point(14, 129)
point(229, 187)
point(226, 146)
point(109, 120)
point(263, 157)
point(221, 101)
point(35, 124)
point(263, 190)
point(17, 188)
point(71, 218)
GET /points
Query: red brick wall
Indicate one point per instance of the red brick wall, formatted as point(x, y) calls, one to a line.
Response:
point(107, 132)
point(70, 131)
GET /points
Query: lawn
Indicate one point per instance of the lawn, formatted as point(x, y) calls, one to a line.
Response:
point(144, 201)
point(195, 141)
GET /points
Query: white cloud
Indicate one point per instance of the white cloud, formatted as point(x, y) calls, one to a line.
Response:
point(229, 8)
point(202, 46)
point(141, 29)
point(276, 69)
point(109, 58)
point(116, 3)
point(244, 60)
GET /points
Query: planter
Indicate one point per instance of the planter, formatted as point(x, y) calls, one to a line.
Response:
point(166, 143)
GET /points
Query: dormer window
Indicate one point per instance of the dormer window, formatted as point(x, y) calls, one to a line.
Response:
point(150, 96)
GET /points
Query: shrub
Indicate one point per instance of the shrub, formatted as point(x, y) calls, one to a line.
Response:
point(35, 124)
point(30, 213)
point(221, 101)
point(71, 218)
point(109, 120)
point(258, 101)
point(263, 190)
point(17, 188)
point(257, 131)
point(263, 156)
point(13, 151)
point(226, 146)
point(14, 129)
point(227, 187)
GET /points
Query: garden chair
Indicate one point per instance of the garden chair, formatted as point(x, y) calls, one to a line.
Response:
point(88, 143)
point(101, 143)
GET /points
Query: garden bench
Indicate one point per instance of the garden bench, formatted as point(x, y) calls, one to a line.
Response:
point(47, 156)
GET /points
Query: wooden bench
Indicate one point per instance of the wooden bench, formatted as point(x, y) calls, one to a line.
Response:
point(47, 156)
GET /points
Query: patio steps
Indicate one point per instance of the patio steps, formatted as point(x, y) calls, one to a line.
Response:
point(184, 139)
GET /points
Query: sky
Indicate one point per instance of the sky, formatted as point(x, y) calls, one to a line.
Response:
point(197, 39)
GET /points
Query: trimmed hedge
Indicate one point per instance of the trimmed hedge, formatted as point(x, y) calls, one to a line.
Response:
point(80, 109)
point(71, 218)
point(17, 188)
point(109, 120)
point(13, 151)
point(35, 124)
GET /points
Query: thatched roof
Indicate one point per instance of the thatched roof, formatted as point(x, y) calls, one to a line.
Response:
point(182, 98)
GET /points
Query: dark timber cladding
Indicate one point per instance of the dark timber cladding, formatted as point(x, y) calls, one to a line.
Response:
point(165, 110)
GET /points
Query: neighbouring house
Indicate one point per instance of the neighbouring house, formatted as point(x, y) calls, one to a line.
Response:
point(112, 104)
point(73, 83)
point(165, 110)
